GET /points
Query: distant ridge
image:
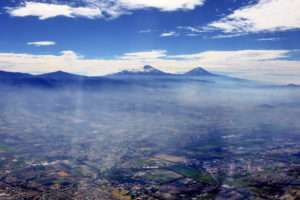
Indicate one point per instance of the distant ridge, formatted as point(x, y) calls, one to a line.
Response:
point(60, 75)
point(293, 85)
point(6, 74)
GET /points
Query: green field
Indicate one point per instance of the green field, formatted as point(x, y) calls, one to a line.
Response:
point(4, 147)
point(195, 174)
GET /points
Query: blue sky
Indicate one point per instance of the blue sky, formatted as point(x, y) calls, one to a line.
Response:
point(256, 39)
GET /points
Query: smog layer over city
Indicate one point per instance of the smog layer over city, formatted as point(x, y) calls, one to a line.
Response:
point(150, 100)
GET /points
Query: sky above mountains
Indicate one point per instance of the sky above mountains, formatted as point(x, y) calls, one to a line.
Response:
point(254, 39)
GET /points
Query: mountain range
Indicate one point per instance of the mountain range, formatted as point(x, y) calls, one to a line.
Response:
point(146, 71)
point(146, 74)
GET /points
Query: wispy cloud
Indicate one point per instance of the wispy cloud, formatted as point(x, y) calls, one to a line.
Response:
point(96, 8)
point(268, 39)
point(224, 36)
point(263, 16)
point(192, 34)
point(193, 31)
point(251, 64)
point(169, 34)
point(41, 43)
point(145, 31)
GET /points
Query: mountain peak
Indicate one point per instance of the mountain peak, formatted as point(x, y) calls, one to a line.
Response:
point(199, 71)
point(59, 74)
point(60, 71)
point(148, 68)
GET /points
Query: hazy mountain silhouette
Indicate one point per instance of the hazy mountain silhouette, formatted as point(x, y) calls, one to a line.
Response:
point(199, 71)
point(60, 75)
point(148, 75)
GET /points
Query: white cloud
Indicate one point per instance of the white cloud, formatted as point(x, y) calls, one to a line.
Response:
point(48, 10)
point(252, 64)
point(145, 55)
point(264, 16)
point(87, 12)
point(41, 43)
point(236, 56)
point(169, 34)
point(97, 8)
point(164, 5)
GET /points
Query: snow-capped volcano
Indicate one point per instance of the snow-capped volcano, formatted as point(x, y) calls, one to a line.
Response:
point(147, 70)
